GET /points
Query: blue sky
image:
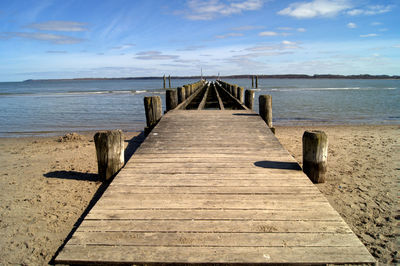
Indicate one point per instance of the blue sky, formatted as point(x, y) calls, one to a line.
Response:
point(85, 38)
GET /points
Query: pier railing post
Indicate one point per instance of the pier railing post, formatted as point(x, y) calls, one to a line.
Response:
point(110, 153)
point(315, 154)
point(171, 99)
point(169, 81)
point(252, 81)
point(164, 81)
point(265, 109)
point(249, 99)
point(153, 109)
point(240, 94)
point(181, 94)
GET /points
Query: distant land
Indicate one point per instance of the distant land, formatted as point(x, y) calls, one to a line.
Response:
point(284, 76)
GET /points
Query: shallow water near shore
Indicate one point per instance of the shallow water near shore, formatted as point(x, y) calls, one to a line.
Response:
point(55, 107)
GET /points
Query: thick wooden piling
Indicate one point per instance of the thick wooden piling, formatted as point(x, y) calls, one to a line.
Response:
point(315, 154)
point(249, 99)
point(110, 153)
point(252, 81)
point(265, 109)
point(181, 94)
point(169, 81)
point(153, 109)
point(187, 90)
point(234, 90)
point(171, 99)
point(240, 94)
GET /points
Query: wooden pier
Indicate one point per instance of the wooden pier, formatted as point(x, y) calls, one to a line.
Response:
point(213, 186)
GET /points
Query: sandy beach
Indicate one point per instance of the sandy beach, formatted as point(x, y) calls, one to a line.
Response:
point(47, 183)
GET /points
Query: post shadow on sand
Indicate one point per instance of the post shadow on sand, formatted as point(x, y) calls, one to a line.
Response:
point(133, 145)
point(278, 165)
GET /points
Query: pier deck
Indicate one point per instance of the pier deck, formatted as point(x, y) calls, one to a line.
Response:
point(213, 186)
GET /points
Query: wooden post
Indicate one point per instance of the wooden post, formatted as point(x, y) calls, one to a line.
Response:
point(181, 94)
point(252, 81)
point(249, 99)
point(110, 153)
point(256, 81)
point(234, 90)
point(164, 81)
point(315, 154)
point(265, 108)
point(169, 81)
point(187, 92)
point(153, 109)
point(171, 99)
point(240, 94)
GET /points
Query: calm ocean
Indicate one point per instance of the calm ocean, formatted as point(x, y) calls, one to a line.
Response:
point(57, 107)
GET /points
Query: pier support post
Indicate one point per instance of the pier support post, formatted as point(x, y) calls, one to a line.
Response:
point(252, 81)
point(181, 94)
point(153, 109)
point(171, 99)
point(315, 154)
point(249, 99)
point(164, 81)
point(234, 90)
point(187, 90)
point(169, 81)
point(256, 82)
point(110, 153)
point(240, 94)
point(265, 109)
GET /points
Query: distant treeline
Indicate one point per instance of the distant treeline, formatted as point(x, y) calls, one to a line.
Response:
point(285, 76)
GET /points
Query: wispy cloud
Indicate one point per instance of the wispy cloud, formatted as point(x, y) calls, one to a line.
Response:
point(245, 28)
point(191, 48)
point(351, 25)
point(273, 33)
point(59, 26)
point(371, 10)
point(232, 34)
point(211, 9)
point(301, 30)
point(396, 46)
point(154, 55)
point(123, 47)
point(376, 23)
point(52, 38)
point(316, 8)
point(369, 35)
point(56, 52)
point(284, 45)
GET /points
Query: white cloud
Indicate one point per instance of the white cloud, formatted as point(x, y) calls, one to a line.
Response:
point(268, 33)
point(59, 26)
point(53, 38)
point(351, 25)
point(369, 35)
point(154, 55)
point(288, 43)
point(315, 8)
point(123, 47)
point(301, 29)
point(371, 10)
point(210, 9)
point(376, 23)
point(233, 34)
point(285, 28)
point(396, 46)
point(244, 28)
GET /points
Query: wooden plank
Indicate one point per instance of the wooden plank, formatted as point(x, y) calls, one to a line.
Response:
point(326, 214)
point(203, 100)
point(339, 227)
point(221, 104)
point(183, 239)
point(121, 254)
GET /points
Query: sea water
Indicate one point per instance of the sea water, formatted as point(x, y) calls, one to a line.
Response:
point(57, 107)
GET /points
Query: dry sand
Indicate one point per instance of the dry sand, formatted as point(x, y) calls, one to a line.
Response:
point(47, 183)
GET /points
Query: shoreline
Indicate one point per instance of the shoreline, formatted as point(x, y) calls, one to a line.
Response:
point(47, 182)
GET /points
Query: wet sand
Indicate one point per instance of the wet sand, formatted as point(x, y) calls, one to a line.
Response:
point(47, 183)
